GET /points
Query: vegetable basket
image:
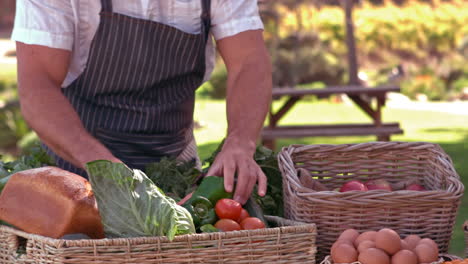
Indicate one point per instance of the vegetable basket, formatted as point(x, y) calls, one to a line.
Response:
point(428, 213)
point(289, 242)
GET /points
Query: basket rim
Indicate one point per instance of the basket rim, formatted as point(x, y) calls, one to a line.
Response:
point(417, 145)
point(60, 243)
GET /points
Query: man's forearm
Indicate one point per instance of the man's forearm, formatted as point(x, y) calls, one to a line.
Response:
point(248, 99)
point(55, 121)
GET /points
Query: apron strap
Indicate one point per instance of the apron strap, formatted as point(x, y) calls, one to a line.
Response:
point(206, 16)
point(106, 6)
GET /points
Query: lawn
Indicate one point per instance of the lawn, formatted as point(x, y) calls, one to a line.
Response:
point(448, 130)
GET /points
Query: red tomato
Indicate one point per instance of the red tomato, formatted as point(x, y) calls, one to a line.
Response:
point(226, 225)
point(252, 223)
point(244, 214)
point(228, 209)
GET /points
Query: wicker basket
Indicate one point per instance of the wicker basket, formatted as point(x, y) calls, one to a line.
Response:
point(443, 258)
point(465, 229)
point(291, 242)
point(428, 214)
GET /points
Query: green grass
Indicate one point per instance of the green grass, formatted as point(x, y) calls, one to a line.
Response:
point(448, 130)
point(8, 72)
point(7, 81)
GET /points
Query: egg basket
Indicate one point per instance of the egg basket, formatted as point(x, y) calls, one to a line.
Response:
point(443, 258)
point(287, 242)
point(428, 213)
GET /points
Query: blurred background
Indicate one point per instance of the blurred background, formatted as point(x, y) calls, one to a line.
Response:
point(419, 46)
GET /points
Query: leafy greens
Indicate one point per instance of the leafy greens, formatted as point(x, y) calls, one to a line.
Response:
point(131, 205)
point(175, 178)
point(37, 157)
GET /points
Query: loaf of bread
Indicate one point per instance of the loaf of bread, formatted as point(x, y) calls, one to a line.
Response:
point(51, 202)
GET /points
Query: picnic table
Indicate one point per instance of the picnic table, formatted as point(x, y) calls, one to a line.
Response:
point(361, 95)
point(377, 127)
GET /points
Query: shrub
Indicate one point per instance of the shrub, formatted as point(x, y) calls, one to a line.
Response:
point(414, 34)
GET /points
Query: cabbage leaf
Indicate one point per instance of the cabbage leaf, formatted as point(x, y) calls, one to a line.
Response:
point(131, 205)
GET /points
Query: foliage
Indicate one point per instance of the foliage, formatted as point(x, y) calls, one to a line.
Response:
point(216, 87)
point(12, 125)
point(428, 84)
point(36, 157)
point(415, 26)
point(443, 79)
point(301, 58)
point(414, 34)
point(175, 178)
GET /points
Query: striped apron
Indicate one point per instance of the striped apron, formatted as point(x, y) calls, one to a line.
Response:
point(136, 94)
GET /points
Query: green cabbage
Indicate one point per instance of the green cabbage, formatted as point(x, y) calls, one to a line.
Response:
point(131, 205)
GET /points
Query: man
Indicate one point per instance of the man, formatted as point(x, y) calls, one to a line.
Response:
point(115, 80)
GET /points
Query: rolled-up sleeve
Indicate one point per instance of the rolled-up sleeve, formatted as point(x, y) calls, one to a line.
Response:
point(44, 22)
point(231, 17)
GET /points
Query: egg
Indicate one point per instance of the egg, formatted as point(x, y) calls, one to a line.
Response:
point(404, 245)
point(429, 242)
point(404, 256)
point(426, 253)
point(344, 253)
point(349, 234)
point(338, 242)
point(374, 256)
point(412, 241)
point(369, 235)
point(365, 245)
point(388, 240)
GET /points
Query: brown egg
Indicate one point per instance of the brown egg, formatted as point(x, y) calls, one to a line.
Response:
point(349, 234)
point(429, 242)
point(338, 242)
point(368, 235)
point(405, 256)
point(412, 241)
point(388, 240)
point(404, 245)
point(426, 253)
point(374, 256)
point(344, 253)
point(365, 245)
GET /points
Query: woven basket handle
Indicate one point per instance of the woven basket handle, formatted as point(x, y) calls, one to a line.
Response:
point(287, 168)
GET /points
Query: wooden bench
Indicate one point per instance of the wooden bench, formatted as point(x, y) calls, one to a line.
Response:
point(362, 96)
point(383, 131)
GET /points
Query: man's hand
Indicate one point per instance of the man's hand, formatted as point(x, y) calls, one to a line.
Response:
point(248, 99)
point(236, 159)
point(41, 71)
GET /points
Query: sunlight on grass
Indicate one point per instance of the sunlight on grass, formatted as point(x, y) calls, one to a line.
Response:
point(8, 72)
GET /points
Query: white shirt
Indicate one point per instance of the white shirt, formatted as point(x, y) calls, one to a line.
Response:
point(71, 24)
